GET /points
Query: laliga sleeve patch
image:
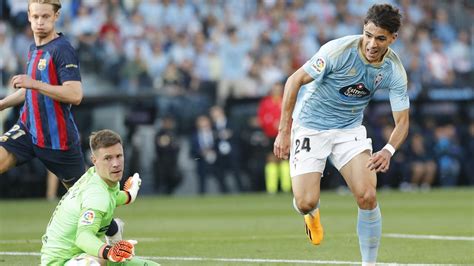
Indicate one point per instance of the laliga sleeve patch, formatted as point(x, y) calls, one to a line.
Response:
point(319, 65)
point(87, 218)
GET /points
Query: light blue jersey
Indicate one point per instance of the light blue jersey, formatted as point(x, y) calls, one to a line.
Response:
point(344, 82)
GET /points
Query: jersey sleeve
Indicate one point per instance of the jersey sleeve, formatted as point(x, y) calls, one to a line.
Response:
point(398, 89)
point(67, 64)
point(122, 198)
point(87, 228)
point(319, 65)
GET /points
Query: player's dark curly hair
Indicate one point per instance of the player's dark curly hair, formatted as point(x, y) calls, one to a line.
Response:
point(384, 16)
point(103, 139)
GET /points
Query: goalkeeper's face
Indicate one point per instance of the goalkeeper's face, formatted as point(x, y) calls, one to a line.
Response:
point(109, 162)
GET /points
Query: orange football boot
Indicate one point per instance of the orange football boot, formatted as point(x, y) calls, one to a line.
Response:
point(313, 227)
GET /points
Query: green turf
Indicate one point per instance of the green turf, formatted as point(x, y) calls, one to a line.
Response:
point(259, 226)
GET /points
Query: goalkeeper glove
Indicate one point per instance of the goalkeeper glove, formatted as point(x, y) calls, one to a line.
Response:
point(131, 187)
point(120, 251)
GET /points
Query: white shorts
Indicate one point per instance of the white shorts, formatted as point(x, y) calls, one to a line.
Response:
point(310, 148)
point(84, 259)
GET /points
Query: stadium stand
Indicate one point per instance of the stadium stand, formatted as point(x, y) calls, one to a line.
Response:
point(145, 60)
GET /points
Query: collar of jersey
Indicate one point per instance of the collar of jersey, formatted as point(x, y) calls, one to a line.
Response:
point(96, 175)
point(60, 34)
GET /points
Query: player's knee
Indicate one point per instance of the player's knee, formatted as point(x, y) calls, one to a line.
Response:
point(305, 206)
point(367, 200)
point(3, 168)
point(7, 160)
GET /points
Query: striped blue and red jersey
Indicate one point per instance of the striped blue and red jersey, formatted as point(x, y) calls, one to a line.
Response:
point(50, 122)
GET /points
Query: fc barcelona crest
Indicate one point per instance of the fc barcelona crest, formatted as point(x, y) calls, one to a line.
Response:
point(42, 64)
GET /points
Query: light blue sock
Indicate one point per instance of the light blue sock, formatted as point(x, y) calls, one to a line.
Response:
point(369, 230)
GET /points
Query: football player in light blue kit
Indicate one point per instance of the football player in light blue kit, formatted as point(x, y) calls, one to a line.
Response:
point(340, 79)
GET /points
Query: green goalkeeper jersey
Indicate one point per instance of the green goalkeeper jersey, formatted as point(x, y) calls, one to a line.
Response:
point(80, 220)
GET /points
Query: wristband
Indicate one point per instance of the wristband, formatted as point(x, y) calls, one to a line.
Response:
point(105, 251)
point(129, 197)
point(389, 148)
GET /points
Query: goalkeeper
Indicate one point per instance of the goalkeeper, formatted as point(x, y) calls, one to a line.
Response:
point(75, 231)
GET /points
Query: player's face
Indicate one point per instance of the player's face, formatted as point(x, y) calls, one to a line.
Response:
point(375, 42)
point(42, 18)
point(109, 163)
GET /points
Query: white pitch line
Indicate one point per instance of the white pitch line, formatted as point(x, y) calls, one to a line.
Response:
point(13, 253)
point(431, 237)
point(249, 260)
point(243, 260)
point(154, 239)
point(163, 239)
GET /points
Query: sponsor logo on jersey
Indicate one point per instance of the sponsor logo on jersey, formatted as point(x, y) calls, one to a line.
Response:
point(88, 217)
point(319, 65)
point(355, 91)
point(42, 64)
point(378, 79)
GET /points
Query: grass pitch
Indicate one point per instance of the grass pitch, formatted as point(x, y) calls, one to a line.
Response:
point(257, 229)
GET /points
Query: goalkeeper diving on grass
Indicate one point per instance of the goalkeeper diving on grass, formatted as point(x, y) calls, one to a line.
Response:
point(76, 229)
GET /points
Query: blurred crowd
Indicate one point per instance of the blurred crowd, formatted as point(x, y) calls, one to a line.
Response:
point(199, 55)
point(173, 46)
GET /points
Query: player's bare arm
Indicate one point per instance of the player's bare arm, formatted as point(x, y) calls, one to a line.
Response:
point(380, 161)
point(13, 99)
point(70, 92)
point(281, 148)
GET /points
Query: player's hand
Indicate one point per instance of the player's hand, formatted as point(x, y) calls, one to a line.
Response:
point(121, 251)
point(23, 81)
point(132, 185)
point(379, 161)
point(281, 147)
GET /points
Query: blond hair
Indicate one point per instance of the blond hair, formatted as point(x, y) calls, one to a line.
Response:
point(55, 3)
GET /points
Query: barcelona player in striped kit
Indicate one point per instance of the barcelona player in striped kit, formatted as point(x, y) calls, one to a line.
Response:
point(52, 84)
